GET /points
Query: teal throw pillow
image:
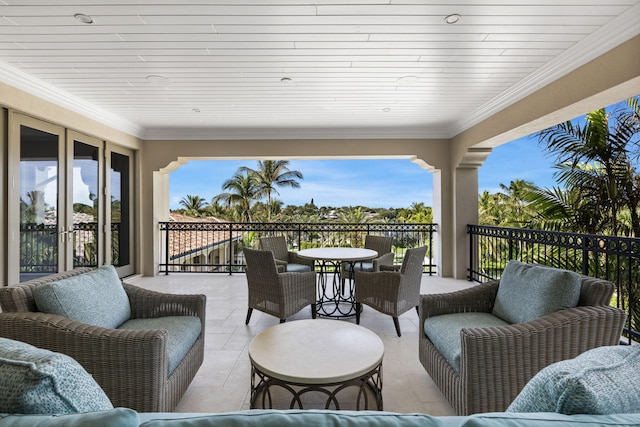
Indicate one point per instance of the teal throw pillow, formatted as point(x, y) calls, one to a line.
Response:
point(604, 380)
point(528, 292)
point(39, 381)
point(96, 298)
point(119, 417)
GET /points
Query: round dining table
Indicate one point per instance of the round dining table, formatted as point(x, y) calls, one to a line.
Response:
point(334, 301)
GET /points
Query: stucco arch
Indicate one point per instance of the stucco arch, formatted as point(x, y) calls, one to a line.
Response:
point(163, 157)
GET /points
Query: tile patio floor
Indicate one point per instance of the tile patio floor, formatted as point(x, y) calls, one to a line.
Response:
point(223, 381)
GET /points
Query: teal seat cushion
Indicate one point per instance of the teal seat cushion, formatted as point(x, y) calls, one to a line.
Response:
point(183, 331)
point(362, 266)
point(118, 417)
point(444, 332)
point(297, 268)
point(544, 419)
point(297, 418)
point(599, 381)
point(528, 292)
point(38, 381)
point(96, 298)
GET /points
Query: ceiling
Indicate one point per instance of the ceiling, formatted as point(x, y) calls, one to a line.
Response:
point(283, 68)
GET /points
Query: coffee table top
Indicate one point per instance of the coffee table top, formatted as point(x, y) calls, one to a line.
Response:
point(316, 351)
point(338, 254)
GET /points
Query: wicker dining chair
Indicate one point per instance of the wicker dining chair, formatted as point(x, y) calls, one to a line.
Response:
point(289, 259)
point(394, 289)
point(380, 244)
point(274, 291)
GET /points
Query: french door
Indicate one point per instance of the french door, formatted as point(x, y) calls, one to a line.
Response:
point(58, 215)
point(119, 212)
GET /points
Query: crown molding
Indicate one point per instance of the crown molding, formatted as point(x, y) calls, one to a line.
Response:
point(195, 134)
point(611, 35)
point(27, 83)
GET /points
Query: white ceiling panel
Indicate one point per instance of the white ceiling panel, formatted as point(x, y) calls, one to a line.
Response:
point(225, 67)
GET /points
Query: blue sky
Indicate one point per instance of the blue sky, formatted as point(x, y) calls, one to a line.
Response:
point(375, 183)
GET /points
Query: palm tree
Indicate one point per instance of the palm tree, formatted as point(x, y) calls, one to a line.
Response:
point(240, 192)
point(594, 157)
point(514, 206)
point(489, 212)
point(194, 205)
point(271, 174)
point(353, 215)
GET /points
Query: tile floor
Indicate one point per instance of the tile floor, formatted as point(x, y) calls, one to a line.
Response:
point(223, 381)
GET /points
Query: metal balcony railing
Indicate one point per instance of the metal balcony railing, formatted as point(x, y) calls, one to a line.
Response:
point(216, 247)
point(616, 259)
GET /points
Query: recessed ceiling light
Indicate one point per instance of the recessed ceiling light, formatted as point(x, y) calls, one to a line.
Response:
point(85, 19)
point(158, 80)
point(407, 81)
point(452, 19)
point(286, 80)
point(386, 109)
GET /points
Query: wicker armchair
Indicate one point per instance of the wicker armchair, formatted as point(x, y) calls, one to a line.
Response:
point(496, 362)
point(131, 366)
point(274, 291)
point(392, 292)
point(289, 259)
point(380, 244)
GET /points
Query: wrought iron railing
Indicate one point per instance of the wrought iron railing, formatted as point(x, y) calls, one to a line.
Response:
point(38, 249)
point(616, 259)
point(216, 247)
point(40, 244)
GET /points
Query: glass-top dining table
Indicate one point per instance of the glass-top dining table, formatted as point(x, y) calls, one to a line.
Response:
point(333, 300)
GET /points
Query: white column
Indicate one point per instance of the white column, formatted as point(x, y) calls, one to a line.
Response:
point(465, 199)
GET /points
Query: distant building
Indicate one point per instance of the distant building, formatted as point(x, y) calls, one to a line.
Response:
point(189, 249)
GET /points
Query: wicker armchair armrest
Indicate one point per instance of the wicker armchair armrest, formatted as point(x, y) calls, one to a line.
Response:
point(384, 285)
point(61, 332)
point(146, 303)
point(499, 361)
point(385, 267)
point(295, 259)
point(478, 298)
point(384, 260)
point(280, 262)
point(292, 280)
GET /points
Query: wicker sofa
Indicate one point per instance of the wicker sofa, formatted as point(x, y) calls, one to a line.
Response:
point(496, 362)
point(131, 365)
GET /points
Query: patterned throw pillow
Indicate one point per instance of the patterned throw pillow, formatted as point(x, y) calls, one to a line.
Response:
point(96, 298)
point(528, 292)
point(599, 381)
point(38, 381)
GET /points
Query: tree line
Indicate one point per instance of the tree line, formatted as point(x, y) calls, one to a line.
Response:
point(249, 196)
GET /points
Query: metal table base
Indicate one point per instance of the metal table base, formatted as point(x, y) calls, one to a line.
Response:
point(368, 386)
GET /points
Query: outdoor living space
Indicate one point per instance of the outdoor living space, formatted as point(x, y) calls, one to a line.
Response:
point(223, 381)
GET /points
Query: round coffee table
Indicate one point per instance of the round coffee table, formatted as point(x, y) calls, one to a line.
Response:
point(317, 357)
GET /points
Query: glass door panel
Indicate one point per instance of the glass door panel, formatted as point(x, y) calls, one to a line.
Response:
point(40, 213)
point(120, 210)
point(85, 192)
